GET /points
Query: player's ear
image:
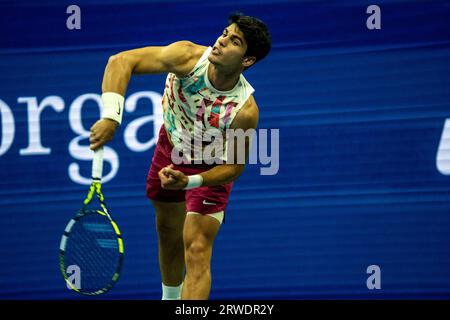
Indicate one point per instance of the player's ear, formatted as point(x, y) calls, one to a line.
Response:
point(248, 61)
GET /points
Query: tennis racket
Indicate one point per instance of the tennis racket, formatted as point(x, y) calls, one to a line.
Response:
point(91, 244)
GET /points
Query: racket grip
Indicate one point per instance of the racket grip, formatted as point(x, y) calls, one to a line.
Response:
point(97, 164)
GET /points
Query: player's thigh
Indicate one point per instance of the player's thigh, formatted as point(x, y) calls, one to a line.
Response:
point(170, 216)
point(200, 230)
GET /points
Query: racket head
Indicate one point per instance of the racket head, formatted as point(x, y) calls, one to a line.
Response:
point(92, 242)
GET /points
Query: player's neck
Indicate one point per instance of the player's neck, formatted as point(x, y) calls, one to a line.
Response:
point(222, 80)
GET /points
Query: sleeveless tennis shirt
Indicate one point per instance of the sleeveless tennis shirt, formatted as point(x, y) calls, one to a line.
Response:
point(192, 106)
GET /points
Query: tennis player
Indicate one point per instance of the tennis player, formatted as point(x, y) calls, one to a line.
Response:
point(204, 86)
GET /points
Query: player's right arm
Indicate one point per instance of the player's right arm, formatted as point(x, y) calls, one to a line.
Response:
point(178, 58)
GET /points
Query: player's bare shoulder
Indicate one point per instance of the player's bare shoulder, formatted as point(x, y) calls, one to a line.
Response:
point(188, 55)
point(197, 50)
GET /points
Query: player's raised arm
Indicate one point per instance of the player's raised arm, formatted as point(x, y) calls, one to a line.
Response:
point(179, 58)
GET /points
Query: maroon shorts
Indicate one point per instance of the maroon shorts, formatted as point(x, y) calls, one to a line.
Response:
point(203, 200)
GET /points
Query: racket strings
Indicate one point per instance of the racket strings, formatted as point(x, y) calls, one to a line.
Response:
point(93, 247)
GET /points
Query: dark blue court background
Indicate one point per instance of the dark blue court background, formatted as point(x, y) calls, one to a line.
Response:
point(360, 113)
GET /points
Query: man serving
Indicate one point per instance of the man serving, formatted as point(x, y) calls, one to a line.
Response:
point(205, 89)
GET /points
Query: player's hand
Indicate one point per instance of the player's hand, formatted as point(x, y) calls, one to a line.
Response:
point(102, 132)
point(172, 179)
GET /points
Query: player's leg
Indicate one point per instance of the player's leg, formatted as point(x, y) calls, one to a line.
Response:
point(199, 234)
point(170, 218)
point(170, 214)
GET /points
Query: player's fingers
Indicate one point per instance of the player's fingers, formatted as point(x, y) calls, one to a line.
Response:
point(96, 142)
point(163, 181)
point(95, 145)
point(167, 183)
point(171, 180)
point(167, 173)
point(173, 172)
point(163, 172)
point(104, 137)
point(163, 176)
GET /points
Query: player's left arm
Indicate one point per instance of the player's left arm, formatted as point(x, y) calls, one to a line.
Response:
point(247, 118)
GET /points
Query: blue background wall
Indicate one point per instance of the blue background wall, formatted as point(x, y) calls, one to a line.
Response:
point(361, 115)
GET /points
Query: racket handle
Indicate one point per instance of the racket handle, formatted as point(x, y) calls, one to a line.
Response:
point(97, 164)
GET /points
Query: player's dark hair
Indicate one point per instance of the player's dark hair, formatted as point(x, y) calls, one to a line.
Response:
point(256, 35)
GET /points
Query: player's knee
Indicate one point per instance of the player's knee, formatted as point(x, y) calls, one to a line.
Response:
point(197, 254)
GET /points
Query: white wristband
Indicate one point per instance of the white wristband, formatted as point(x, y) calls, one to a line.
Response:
point(112, 106)
point(194, 181)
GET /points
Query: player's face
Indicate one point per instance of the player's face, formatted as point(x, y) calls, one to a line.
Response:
point(230, 48)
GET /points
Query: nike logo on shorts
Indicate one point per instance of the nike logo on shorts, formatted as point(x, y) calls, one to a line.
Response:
point(208, 203)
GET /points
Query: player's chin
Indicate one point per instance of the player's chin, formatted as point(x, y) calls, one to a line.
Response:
point(213, 59)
